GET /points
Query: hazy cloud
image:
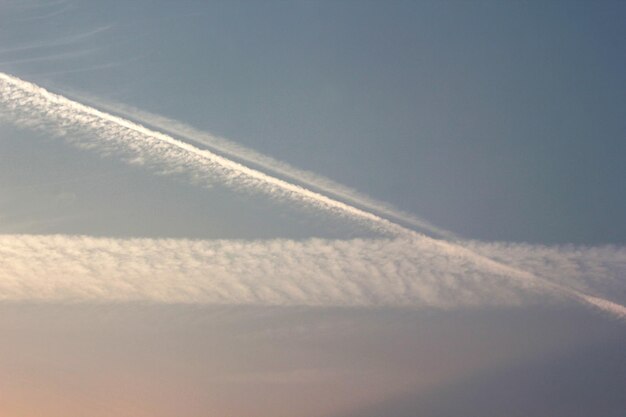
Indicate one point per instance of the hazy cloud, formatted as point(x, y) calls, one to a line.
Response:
point(409, 270)
point(30, 106)
point(384, 272)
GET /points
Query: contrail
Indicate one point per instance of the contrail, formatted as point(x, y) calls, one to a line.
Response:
point(31, 106)
point(274, 272)
point(250, 157)
point(411, 273)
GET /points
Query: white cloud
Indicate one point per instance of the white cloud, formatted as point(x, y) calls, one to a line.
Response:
point(249, 156)
point(408, 270)
point(385, 272)
point(30, 106)
point(274, 272)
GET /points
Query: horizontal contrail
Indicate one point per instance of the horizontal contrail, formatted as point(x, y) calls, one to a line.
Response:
point(28, 105)
point(413, 273)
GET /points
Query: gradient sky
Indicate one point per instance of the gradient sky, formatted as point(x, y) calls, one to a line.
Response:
point(499, 122)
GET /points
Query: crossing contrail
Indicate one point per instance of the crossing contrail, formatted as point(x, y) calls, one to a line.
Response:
point(28, 105)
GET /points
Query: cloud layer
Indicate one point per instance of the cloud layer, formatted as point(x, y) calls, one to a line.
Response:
point(316, 272)
point(27, 105)
point(411, 273)
point(280, 169)
point(409, 269)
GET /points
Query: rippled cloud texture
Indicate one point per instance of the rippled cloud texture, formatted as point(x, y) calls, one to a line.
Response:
point(399, 273)
point(214, 208)
point(409, 270)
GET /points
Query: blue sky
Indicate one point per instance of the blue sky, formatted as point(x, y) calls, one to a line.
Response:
point(495, 121)
point(322, 209)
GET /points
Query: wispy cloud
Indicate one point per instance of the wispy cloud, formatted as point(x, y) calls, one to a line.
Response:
point(599, 270)
point(51, 57)
point(409, 269)
point(276, 272)
point(62, 8)
point(28, 105)
point(69, 40)
point(412, 273)
point(250, 157)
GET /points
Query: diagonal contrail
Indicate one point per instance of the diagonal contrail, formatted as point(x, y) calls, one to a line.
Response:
point(28, 105)
point(32, 106)
point(267, 164)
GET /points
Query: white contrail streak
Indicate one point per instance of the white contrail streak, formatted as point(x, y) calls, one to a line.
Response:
point(413, 273)
point(316, 272)
point(31, 106)
point(580, 270)
point(249, 156)
point(586, 269)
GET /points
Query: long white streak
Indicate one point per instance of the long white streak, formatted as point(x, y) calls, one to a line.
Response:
point(249, 156)
point(32, 106)
point(581, 267)
point(603, 304)
point(399, 272)
point(589, 273)
point(414, 273)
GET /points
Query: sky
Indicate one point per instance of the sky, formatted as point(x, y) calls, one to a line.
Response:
point(332, 209)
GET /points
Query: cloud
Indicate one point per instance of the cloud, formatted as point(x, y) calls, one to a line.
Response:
point(593, 273)
point(275, 272)
point(63, 41)
point(410, 269)
point(280, 169)
point(413, 273)
point(30, 106)
point(594, 270)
